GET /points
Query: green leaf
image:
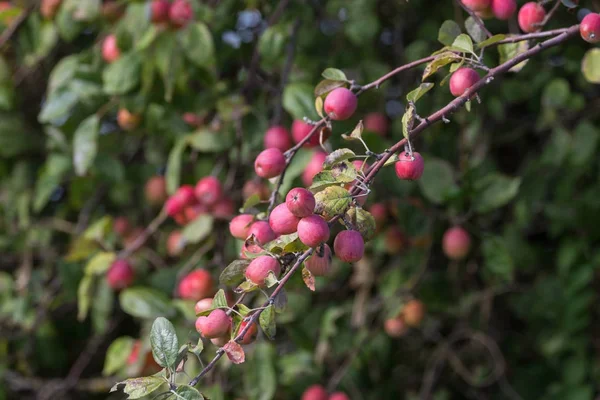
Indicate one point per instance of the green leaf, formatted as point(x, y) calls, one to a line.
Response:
point(298, 101)
point(440, 61)
point(327, 85)
point(233, 274)
point(494, 191)
point(590, 65)
point(584, 143)
point(58, 105)
point(437, 182)
point(331, 201)
point(498, 262)
point(85, 144)
point(246, 286)
point(556, 93)
point(84, 296)
point(173, 173)
point(56, 167)
point(100, 263)
point(145, 303)
point(117, 354)
point(185, 392)
point(463, 43)
point(334, 74)
point(362, 221)
point(343, 172)
point(209, 141)
point(416, 94)
point(494, 39)
point(123, 75)
point(251, 202)
point(68, 27)
point(198, 348)
point(267, 322)
point(99, 229)
point(163, 340)
point(448, 32)
point(220, 301)
point(197, 44)
point(508, 51)
point(337, 156)
point(473, 29)
point(199, 229)
point(272, 43)
point(63, 73)
point(137, 388)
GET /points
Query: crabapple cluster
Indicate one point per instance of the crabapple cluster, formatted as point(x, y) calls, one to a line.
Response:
point(410, 316)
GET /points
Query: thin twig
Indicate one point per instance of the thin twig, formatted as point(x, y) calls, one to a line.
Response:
point(527, 36)
point(376, 83)
point(476, 18)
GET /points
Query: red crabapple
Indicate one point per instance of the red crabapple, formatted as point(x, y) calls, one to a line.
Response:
point(530, 16)
point(110, 49)
point(315, 392)
point(409, 169)
point(461, 80)
point(239, 226)
point(192, 212)
point(340, 104)
point(175, 244)
point(259, 269)
point(156, 190)
point(120, 275)
point(476, 5)
point(395, 327)
point(349, 246)
point(186, 193)
point(256, 187)
point(376, 122)
point(413, 313)
point(300, 202)
point(301, 129)
point(208, 190)
point(314, 166)
point(203, 305)
point(338, 396)
point(250, 335)
point(282, 221)
point(262, 231)
point(181, 13)
point(269, 163)
point(214, 325)
point(121, 226)
point(196, 285)
point(319, 263)
point(590, 28)
point(313, 230)
point(192, 119)
point(159, 11)
point(503, 9)
point(277, 137)
point(127, 120)
point(48, 8)
point(224, 209)
point(182, 198)
point(456, 243)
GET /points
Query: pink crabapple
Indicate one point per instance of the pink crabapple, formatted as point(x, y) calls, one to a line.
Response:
point(395, 327)
point(277, 137)
point(181, 13)
point(376, 122)
point(408, 168)
point(314, 166)
point(224, 209)
point(300, 202)
point(269, 163)
point(120, 275)
point(159, 11)
point(456, 243)
point(590, 28)
point(203, 305)
point(155, 190)
point(349, 246)
point(239, 226)
point(413, 313)
point(214, 325)
point(301, 129)
point(282, 221)
point(340, 104)
point(110, 49)
point(196, 285)
point(503, 9)
point(315, 392)
point(259, 269)
point(262, 231)
point(461, 80)
point(175, 244)
point(530, 16)
point(208, 190)
point(319, 263)
point(250, 335)
point(313, 230)
point(476, 5)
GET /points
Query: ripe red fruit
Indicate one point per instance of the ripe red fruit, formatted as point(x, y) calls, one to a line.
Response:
point(319, 264)
point(192, 119)
point(110, 49)
point(409, 169)
point(48, 8)
point(156, 190)
point(192, 212)
point(224, 209)
point(376, 122)
point(282, 221)
point(208, 190)
point(503, 9)
point(239, 226)
point(255, 187)
point(395, 327)
point(314, 166)
point(395, 240)
point(530, 15)
point(203, 305)
point(277, 137)
point(349, 246)
point(338, 396)
point(181, 13)
point(214, 325)
point(461, 80)
point(159, 11)
point(250, 335)
point(301, 129)
point(182, 198)
point(379, 213)
point(196, 285)
point(175, 244)
point(315, 392)
point(269, 163)
point(128, 121)
point(456, 243)
point(120, 275)
point(300, 202)
point(590, 28)
point(258, 270)
point(340, 104)
point(476, 5)
point(413, 313)
point(313, 230)
point(262, 231)
point(121, 226)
